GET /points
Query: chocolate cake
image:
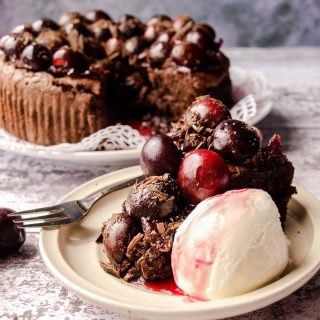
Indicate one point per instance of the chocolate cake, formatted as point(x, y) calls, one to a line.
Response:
point(60, 82)
point(219, 154)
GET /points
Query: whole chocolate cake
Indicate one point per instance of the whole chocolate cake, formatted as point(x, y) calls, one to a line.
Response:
point(205, 154)
point(60, 82)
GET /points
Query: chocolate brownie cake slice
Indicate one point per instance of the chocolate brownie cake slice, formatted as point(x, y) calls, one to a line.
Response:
point(60, 82)
point(206, 153)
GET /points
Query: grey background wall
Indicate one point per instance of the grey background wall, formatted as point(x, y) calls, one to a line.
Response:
point(238, 22)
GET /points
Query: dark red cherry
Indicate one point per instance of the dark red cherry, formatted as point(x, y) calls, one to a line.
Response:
point(236, 140)
point(159, 51)
point(41, 24)
point(134, 45)
point(77, 26)
point(117, 233)
point(36, 57)
point(199, 37)
point(69, 61)
point(101, 32)
point(203, 27)
point(165, 36)
point(95, 15)
point(150, 33)
point(208, 111)
point(188, 54)
point(160, 155)
point(158, 19)
point(202, 174)
point(114, 46)
point(71, 16)
point(182, 21)
point(22, 28)
point(130, 26)
point(11, 237)
point(14, 44)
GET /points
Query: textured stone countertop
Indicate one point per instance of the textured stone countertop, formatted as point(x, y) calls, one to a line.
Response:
point(29, 291)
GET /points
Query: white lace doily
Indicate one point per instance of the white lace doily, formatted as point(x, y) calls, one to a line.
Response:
point(249, 88)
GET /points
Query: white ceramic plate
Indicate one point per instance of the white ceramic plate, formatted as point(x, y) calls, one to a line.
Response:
point(244, 82)
point(71, 254)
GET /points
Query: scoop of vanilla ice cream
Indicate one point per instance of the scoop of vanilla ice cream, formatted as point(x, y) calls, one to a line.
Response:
point(230, 244)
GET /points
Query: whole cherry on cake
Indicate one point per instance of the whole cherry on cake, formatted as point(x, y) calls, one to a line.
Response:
point(160, 155)
point(11, 236)
point(202, 174)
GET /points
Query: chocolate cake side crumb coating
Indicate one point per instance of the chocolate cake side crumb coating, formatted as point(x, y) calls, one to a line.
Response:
point(154, 197)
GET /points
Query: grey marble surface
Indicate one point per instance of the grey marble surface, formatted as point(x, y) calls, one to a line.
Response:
point(238, 22)
point(29, 291)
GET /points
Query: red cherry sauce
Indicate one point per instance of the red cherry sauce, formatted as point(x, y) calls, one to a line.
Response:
point(167, 286)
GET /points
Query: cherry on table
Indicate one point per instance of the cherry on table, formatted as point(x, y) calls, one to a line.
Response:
point(11, 237)
point(236, 140)
point(160, 155)
point(209, 111)
point(202, 174)
point(70, 61)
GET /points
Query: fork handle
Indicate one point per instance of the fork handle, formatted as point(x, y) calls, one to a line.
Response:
point(89, 201)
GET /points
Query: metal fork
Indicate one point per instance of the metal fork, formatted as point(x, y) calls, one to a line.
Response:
point(67, 212)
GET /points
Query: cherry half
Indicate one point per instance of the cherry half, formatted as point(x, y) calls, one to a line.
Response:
point(11, 237)
point(202, 174)
point(160, 155)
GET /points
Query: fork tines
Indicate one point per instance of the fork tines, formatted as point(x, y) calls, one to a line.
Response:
point(39, 217)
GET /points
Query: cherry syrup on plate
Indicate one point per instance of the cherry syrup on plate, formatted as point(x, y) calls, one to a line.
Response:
point(167, 286)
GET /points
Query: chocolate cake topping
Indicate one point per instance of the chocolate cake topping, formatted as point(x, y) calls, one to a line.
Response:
point(154, 197)
point(161, 65)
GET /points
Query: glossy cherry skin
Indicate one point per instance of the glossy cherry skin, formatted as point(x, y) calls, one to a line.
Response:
point(71, 16)
point(158, 19)
point(36, 57)
point(202, 174)
point(41, 24)
point(188, 54)
point(95, 15)
point(203, 27)
point(209, 111)
point(11, 237)
point(22, 28)
point(13, 44)
point(160, 155)
point(114, 45)
point(199, 38)
point(66, 60)
point(181, 21)
point(134, 45)
point(130, 26)
point(236, 140)
point(118, 232)
point(159, 51)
